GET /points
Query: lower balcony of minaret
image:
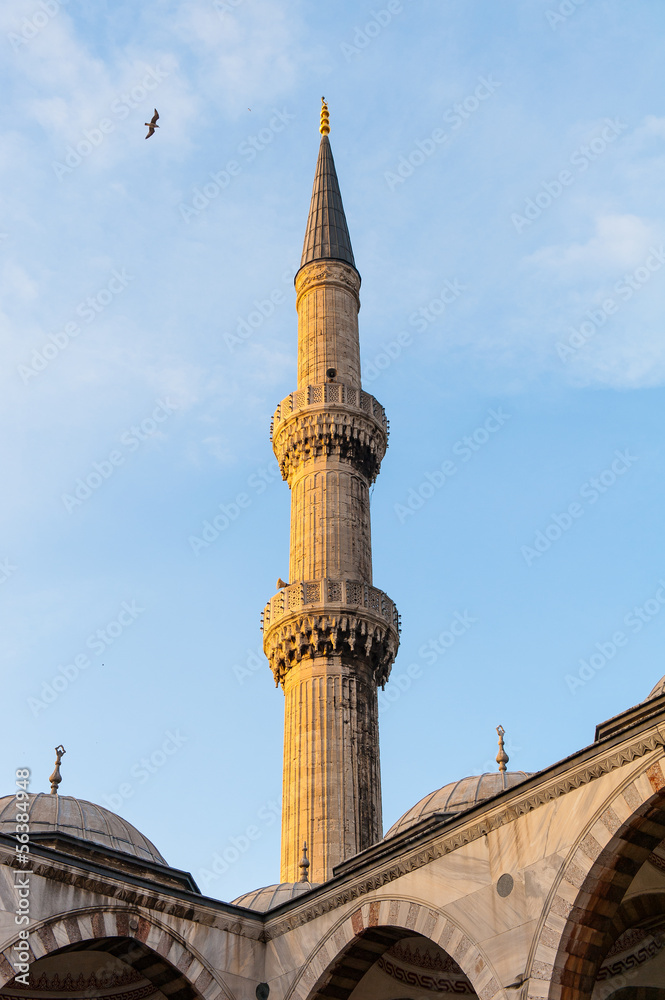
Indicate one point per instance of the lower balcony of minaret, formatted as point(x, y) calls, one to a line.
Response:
point(330, 421)
point(331, 618)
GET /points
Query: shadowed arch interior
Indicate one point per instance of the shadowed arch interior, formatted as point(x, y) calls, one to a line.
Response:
point(359, 957)
point(163, 976)
point(596, 919)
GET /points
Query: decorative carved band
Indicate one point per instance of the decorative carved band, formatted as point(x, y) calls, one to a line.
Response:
point(425, 980)
point(330, 618)
point(330, 272)
point(331, 430)
point(343, 396)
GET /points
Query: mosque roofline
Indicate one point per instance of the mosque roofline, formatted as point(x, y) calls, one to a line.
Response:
point(624, 720)
point(110, 866)
point(149, 892)
point(636, 720)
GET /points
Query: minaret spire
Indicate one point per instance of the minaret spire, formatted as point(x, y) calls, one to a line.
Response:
point(327, 234)
point(329, 634)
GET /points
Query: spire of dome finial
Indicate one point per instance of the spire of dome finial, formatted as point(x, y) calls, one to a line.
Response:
point(324, 128)
point(502, 757)
point(304, 864)
point(56, 777)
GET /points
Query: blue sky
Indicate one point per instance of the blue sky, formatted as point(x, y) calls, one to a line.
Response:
point(502, 169)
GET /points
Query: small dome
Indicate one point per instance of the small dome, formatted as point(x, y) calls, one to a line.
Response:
point(273, 895)
point(657, 690)
point(458, 796)
point(80, 819)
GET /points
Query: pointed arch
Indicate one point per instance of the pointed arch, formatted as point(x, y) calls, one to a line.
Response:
point(585, 902)
point(152, 947)
point(365, 933)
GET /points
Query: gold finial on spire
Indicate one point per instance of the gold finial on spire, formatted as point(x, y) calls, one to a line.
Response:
point(502, 757)
point(304, 864)
point(324, 128)
point(56, 777)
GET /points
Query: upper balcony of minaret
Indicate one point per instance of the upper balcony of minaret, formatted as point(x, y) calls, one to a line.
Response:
point(327, 423)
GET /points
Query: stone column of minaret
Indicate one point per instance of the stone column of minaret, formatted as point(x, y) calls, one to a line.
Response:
point(330, 636)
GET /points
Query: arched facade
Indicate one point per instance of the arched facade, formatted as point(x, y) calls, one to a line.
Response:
point(145, 944)
point(585, 913)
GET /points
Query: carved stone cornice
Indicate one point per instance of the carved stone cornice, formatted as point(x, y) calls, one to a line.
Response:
point(330, 618)
point(439, 841)
point(328, 272)
point(328, 430)
point(158, 899)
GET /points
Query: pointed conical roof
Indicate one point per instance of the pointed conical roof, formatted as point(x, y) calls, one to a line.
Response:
point(327, 235)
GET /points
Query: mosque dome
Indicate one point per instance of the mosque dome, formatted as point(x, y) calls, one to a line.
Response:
point(273, 895)
point(458, 797)
point(657, 690)
point(77, 818)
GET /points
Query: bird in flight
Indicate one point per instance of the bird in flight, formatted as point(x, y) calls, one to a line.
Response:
point(152, 125)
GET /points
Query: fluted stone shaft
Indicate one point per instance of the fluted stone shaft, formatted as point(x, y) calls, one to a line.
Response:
point(332, 785)
point(330, 636)
point(330, 525)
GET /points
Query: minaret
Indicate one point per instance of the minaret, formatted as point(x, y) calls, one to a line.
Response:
point(330, 636)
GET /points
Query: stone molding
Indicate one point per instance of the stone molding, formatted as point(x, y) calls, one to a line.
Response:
point(330, 431)
point(518, 805)
point(330, 618)
point(329, 272)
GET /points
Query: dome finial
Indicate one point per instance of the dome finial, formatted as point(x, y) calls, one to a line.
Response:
point(304, 864)
point(324, 128)
point(502, 757)
point(56, 777)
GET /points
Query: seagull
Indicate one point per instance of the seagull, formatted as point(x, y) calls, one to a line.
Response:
point(152, 125)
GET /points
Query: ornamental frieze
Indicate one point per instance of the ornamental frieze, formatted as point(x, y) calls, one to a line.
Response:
point(340, 618)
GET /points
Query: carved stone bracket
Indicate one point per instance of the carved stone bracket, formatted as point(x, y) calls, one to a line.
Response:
point(330, 432)
point(330, 618)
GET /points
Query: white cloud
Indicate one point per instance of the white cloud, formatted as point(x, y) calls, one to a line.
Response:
point(620, 241)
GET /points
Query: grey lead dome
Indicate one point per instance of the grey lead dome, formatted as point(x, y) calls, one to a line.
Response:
point(80, 819)
point(458, 796)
